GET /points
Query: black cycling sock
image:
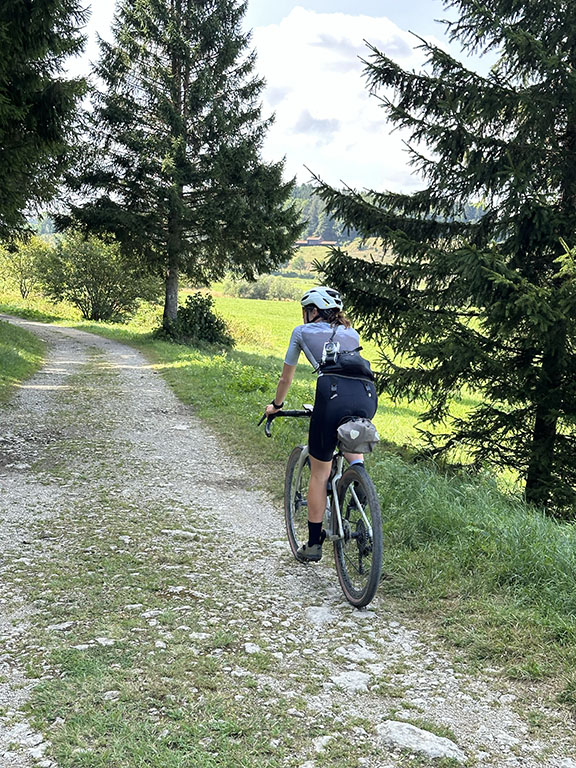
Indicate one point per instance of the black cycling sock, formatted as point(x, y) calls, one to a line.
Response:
point(314, 533)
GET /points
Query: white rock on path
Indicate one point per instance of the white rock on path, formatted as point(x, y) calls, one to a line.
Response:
point(353, 682)
point(356, 653)
point(180, 533)
point(252, 648)
point(62, 627)
point(407, 736)
point(321, 743)
point(38, 752)
point(320, 614)
point(111, 695)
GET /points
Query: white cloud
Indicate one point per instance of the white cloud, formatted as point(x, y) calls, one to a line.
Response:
point(325, 117)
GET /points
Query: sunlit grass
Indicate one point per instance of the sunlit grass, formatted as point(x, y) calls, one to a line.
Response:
point(265, 326)
point(21, 354)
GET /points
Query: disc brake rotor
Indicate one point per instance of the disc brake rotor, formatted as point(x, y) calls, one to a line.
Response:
point(362, 539)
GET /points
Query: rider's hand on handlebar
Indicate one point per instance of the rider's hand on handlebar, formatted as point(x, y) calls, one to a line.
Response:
point(270, 410)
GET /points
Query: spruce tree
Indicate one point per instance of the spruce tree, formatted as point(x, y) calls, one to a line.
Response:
point(175, 171)
point(481, 304)
point(37, 102)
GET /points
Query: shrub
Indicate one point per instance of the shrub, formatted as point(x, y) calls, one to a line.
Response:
point(283, 290)
point(19, 263)
point(255, 290)
point(95, 276)
point(266, 287)
point(196, 322)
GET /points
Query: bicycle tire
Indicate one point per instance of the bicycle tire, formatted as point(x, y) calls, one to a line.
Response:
point(296, 484)
point(359, 555)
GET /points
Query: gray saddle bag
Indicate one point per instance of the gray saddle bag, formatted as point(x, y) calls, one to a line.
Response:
point(358, 436)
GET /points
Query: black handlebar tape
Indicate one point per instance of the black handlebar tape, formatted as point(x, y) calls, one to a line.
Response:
point(270, 419)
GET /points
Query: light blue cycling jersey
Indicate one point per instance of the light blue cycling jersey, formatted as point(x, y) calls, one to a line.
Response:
point(310, 339)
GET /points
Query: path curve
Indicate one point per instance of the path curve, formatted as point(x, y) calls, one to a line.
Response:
point(146, 447)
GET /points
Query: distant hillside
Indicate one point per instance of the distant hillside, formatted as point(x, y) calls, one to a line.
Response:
point(321, 225)
point(319, 222)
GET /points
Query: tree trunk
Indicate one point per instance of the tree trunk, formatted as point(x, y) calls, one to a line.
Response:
point(173, 268)
point(539, 475)
point(174, 244)
point(174, 240)
point(171, 293)
point(539, 478)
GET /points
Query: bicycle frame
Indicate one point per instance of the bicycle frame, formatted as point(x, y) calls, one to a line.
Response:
point(335, 532)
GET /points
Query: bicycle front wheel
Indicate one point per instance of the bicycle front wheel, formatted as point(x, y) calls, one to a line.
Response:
point(296, 485)
point(359, 554)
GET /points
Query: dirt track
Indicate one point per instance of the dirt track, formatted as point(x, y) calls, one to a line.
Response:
point(97, 419)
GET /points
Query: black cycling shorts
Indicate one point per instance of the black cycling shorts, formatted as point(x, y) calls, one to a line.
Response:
point(337, 398)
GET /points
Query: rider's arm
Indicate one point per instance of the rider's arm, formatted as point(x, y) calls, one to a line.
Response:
point(283, 386)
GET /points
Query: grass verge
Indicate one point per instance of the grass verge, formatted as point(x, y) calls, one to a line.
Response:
point(21, 355)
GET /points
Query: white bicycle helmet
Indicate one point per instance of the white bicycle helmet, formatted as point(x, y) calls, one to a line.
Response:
point(322, 298)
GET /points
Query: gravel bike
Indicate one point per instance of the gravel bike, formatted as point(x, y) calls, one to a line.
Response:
point(352, 519)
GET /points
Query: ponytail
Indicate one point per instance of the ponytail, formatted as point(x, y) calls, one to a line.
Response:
point(334, 316)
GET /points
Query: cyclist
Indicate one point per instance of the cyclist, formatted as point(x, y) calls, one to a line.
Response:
point(337, 397)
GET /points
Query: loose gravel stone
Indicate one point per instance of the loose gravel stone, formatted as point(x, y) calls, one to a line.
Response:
point(406, 736)
point(353, 682)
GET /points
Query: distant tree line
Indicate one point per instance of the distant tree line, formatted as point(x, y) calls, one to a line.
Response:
point(320, 222)
point(317, 221)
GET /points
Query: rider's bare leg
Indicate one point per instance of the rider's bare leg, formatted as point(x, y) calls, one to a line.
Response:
point(319, 474)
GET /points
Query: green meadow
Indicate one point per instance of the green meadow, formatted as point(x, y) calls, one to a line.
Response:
point(462, 554)
point(263, 328)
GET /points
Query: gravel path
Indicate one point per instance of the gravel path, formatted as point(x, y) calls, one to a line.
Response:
point(370, 664)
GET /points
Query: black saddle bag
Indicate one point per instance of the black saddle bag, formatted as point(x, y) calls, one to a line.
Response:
point(349, 364)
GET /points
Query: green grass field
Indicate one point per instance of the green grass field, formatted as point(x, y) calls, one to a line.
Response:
point(491, 576)
point(264, 327)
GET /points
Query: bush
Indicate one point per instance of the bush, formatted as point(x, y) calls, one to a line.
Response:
point(95, 276)
point(196, 322)
point(282, 290)
point(266, 287)
point(19, 263)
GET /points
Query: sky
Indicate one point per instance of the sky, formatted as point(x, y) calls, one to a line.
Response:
point(309, 54)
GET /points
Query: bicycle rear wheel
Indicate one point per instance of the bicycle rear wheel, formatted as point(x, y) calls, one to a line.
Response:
point(359, 554)
point(296, 499)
